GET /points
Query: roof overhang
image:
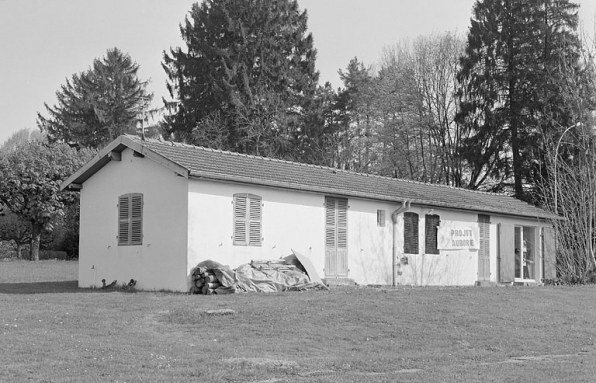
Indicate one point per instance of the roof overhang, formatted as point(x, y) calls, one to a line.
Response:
point(346, 193)
point(112, 152)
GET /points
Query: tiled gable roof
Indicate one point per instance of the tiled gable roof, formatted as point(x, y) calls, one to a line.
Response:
point(221, 165)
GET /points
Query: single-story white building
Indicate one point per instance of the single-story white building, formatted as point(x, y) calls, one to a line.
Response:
point(152, 210)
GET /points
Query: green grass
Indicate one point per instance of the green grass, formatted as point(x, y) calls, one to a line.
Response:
point(54, 332)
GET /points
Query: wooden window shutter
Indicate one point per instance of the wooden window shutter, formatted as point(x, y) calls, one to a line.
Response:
point(130, 219)
point(330, 225)
point(240, 210)
point(380, 218)
point(342, 223)
point(431, 231)
point(247, 220)
point(136, 219)
point(484, 231)
point(410, 233)
point(254, 220)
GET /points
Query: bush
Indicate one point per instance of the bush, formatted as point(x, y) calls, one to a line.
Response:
point(6, 250)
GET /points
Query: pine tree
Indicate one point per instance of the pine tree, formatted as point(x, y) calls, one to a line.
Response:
point(246, 79)
point(514, 49)
point(98, 105)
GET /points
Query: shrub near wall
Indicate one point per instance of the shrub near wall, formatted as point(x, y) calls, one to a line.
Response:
point(6, 250)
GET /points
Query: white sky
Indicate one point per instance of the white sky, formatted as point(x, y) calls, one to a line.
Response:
point(43, 42)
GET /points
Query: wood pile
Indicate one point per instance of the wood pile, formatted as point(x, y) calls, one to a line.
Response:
point(205, 281)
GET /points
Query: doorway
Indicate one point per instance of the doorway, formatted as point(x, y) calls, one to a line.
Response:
point(525, 253)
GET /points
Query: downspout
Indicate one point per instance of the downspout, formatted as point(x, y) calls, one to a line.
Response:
point(405, 206)
point(498, 252)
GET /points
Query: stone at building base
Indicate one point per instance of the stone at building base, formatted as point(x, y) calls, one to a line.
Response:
point(485, 284)
point(339, 282)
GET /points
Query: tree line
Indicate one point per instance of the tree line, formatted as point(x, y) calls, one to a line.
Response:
point(481, 112)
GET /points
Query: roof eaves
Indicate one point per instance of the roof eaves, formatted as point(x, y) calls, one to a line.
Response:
point(117, 146)
point(94, 164)
point(341, 192)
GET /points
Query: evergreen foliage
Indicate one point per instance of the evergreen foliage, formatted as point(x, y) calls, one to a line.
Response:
point(246, 81)
point(96, 106)
point(510, 96)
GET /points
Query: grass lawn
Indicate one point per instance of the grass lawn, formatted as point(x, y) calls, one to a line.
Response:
point(51, 331)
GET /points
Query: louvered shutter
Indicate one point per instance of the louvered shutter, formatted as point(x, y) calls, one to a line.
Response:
point(247, 220)
point(240, 212)
point(136, 219)
point(123, 220)
point(254, 218)
point(342, 223)
point(410, 233)
point(336, 237)
point(484, 249)
point(330, 225)
point(130, 219)
point(431, 228)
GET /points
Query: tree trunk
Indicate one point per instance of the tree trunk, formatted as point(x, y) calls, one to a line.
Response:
point(35, 241)
point(19, 249)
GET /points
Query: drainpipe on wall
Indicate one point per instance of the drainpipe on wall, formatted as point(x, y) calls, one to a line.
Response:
point(405, 206)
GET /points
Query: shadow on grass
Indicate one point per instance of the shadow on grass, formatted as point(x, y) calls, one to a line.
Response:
point(43, 288)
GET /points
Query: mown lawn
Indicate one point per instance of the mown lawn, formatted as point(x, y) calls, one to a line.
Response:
point(53, 332)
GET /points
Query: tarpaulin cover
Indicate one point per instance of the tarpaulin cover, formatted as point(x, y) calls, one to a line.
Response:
point(248, 279)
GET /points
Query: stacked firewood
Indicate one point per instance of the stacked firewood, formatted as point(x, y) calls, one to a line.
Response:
point(205, 281)
point(278, 265)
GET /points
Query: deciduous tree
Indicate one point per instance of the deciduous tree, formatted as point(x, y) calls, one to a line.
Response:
point(31, 175)
point(16, 230)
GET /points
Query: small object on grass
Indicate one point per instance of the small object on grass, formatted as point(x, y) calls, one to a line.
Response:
point(220, 312)
point(103, 281)
point(130, 285)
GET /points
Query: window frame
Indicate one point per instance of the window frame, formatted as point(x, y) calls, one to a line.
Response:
point(130, 219)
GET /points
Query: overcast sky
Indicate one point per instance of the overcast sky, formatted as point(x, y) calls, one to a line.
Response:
point(42, 42)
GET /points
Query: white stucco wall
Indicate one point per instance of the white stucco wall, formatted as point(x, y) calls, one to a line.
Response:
point(160, 262)
point(189, 221)
point(291, 220)
point(295, 220)
point(449, 267)
point(369, 246)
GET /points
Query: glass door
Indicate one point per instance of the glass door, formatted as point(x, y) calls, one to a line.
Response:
point(525, 255)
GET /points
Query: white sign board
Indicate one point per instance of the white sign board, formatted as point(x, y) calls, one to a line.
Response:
point(454, 235)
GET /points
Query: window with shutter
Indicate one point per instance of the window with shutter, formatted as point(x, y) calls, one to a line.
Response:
point(130, 219)
point(247, 220)
point(380, 218)
point(431, 231)
point(410, 233)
